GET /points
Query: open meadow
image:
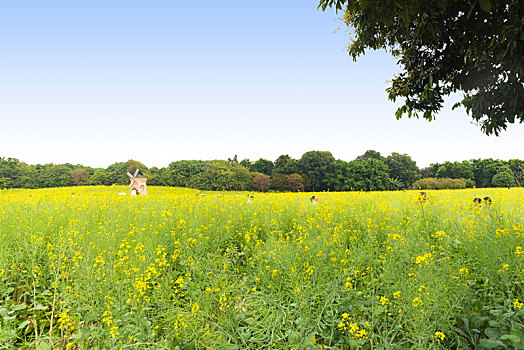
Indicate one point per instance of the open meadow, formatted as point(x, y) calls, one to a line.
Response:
point(176, 269)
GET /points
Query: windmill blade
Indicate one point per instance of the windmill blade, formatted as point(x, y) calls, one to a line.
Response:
point(129, 174)
point(139, 182)
point(136, 173)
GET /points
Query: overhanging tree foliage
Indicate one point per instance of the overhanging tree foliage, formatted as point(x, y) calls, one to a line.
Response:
point(446, 46)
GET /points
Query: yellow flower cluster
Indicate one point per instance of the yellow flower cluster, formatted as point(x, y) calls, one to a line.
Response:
point(519, 251)
point(417, 302)
point(439, 336)
point(65, 322)
point(184, 265)
point(423, 259)
point(352, 329)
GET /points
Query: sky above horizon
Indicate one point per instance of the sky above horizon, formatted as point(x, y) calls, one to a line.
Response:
point(97, 82)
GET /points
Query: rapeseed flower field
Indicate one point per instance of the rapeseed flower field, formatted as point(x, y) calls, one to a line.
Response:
point(179, 270)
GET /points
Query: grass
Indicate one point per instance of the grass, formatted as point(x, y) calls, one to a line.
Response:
point(178, 270)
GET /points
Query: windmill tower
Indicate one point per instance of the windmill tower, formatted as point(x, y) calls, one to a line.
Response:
point(138, 184)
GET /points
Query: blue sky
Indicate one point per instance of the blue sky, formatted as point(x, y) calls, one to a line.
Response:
point(99, 82)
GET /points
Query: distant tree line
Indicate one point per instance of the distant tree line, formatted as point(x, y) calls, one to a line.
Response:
point(314, 171)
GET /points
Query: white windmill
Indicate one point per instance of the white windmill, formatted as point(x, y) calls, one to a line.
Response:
point(138, 184)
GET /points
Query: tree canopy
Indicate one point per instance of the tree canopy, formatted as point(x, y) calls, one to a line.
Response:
point(263, 166)
point(315, 171)
point(403, 168)
point(285, 165)
point(317, 166)
point(475, 47)
point(220, 175)
point(371, 154)
point(504, 177)
point(455, 170)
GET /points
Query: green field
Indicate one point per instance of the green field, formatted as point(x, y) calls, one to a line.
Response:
point(178, 270)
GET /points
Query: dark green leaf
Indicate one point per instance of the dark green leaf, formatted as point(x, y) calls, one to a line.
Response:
point(485, 5)
point(513, 338)
point(492, 344)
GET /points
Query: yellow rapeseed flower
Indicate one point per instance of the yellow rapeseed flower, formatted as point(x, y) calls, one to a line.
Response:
point(417, 302)
point(439, 336)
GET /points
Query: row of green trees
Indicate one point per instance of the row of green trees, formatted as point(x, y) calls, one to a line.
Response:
point(480, 172)
point(314, 171)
